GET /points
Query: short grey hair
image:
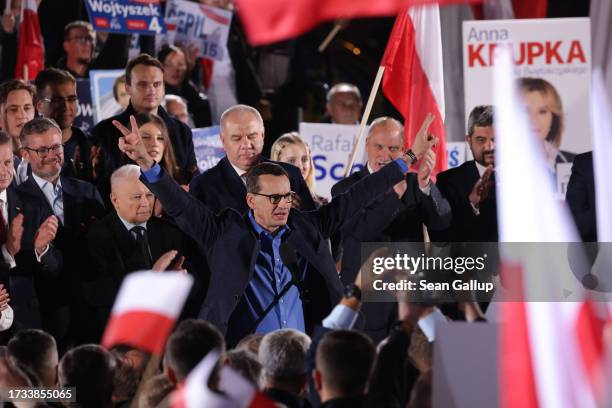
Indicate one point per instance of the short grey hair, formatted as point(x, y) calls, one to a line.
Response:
point(37, 126)
point(240, 109)
point(282, 354)
point(124, 172)
point(384, 120)
point(481, 116)
point(343, 87)
point(173, 98)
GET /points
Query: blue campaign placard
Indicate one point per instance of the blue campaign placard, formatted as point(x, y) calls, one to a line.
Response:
point(84, 119)
point(126, 16)
point(208, 148)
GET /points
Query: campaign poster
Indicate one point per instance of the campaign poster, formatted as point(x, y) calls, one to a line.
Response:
point(126, 16)
point(190, 24)
point(456, 154)
point(552, 60)
point(84, 119)
point(102, 98)
point(331, 147)
point(208, 148)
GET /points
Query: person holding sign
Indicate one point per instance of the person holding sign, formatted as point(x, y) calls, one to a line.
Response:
point(271, 239)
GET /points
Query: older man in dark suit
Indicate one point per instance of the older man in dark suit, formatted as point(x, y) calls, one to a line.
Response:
point(127, 240)
point(72, 204)
point(242, 136)
point(274, 258)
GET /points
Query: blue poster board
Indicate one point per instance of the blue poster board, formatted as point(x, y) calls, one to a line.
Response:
point(126, 16)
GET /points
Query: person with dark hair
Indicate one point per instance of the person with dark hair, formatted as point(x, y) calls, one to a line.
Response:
point(16, 108)
point(580, 196)
point(246, 364)
point(126, 240)
point(37, 350)
point(131, 364)
point(344, 361)
point(178, 83)
point(144, 78)
point(57, 99)
point(80, 44)
point(253, 287)
point(190, 342)
point(68, 206)
point(470, 188)
point(90, 369)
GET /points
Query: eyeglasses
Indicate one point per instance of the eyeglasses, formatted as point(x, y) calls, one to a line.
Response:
point(59, 101)
point(276, 198)
point(44, 151)
point(83, 39)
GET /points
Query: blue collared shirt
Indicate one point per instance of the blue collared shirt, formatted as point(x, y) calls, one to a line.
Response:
point(269, 278)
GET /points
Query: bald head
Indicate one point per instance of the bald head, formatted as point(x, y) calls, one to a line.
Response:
point(242, 135)
point(384, 142)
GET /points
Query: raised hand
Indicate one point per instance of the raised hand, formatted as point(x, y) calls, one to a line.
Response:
point(170, 262)
point(423, 140)
point(15, 232)
point(426, 168)
point(46, 233)
point(131, 144)
point(481, 189)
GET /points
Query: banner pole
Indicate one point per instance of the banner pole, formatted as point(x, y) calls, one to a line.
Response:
point(364, 119)
point(330, 37)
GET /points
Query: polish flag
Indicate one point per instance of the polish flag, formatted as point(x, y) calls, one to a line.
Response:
point(268, 21)
point(551, 341)
point(236, 391)
point(413, 80)
point(31, 52)
point(146, 309)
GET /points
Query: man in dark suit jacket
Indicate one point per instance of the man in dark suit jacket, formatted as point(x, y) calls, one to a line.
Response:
point(242, 136)
point(396, 216)
point(128, 239)
point(470, 188)
point(581, 196)
point(145, 85)
point(244, 251)
point(74, 204)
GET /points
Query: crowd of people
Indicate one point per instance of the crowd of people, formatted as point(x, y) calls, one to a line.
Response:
point(276, 267)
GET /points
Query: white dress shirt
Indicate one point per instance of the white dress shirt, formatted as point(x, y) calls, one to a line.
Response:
point(8, 258)
point(54, 195)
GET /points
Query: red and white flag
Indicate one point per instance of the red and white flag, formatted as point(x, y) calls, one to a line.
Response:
point(237, 392)
point(146, 309)
point(413, 80)
point(268, 21)
point(550, 344)
point(31, 52)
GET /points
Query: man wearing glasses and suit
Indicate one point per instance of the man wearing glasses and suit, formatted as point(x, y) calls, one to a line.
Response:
point(257, 258)
point(70, 205)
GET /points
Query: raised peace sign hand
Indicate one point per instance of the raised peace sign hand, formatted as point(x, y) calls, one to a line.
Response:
point(131, 144)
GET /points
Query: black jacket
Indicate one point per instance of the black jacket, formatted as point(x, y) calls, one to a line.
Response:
point(113, 254)
point(456, 185)
point(197, 106)
point(60, 296)
point(232, 246)
point(581, 196)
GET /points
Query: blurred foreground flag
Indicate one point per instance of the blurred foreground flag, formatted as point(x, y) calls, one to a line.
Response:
point(31, 53)
point(146, 309)
point(413, 80)
point(268, 21)
point(551, 341)
point(237, 392)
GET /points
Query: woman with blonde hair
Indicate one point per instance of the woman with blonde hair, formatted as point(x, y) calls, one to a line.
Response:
point(291, 148)
point(545, 111)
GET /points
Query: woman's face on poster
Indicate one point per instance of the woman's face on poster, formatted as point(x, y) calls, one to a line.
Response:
point(540, 115)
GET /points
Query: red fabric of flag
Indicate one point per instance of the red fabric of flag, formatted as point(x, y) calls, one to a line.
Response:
point(31, 53)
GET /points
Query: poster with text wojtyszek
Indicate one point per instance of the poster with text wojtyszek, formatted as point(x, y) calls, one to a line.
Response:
point(126, 16)
point(553, 72)
point(191, 24)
